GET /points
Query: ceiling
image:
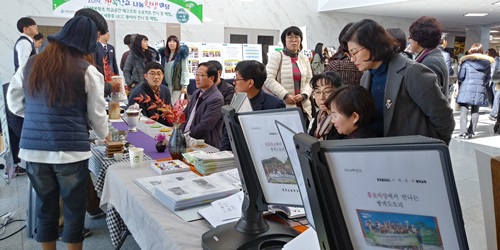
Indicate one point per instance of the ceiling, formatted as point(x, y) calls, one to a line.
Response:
point(449, 12)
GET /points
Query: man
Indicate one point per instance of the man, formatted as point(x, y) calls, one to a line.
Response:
point(24, 47)
point(446, 55)
point(154, 76)
point(226, 89)
point(105, 59)
point(203, 113)
point(250, 77)
point(38, 40)
point(127, 40)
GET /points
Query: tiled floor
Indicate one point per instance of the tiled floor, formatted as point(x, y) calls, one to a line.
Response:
point(462, 152)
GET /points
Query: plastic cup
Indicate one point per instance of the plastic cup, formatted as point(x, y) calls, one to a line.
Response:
point(136, 157)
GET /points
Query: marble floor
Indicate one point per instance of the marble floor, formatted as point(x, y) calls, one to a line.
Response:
point(15, 196)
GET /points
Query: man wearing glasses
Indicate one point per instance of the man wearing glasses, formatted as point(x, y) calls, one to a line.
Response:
point(203, 113)
point(154, 77)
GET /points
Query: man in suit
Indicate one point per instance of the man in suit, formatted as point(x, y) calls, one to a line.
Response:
point(250, 77)
point(24, 47)
point(105, 59)
point(203, 113)
point(225, 88)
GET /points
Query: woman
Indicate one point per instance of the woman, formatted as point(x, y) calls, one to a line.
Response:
point(400, 36)
point(140, 54)
point(177, 73)
point(473, 80)
point(407, 98)
point(289, 73)
point(352, 110)
point(318, 61)
point(170, 51)
point(323, 85)
point(425, 36)
point(326, 55)
point(56, 145)
point(341, 64)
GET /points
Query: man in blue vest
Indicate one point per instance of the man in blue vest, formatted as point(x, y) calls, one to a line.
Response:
point(24, 47)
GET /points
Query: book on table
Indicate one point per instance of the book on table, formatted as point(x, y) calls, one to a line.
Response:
point(149, 183)
point(209, 163)
point(193, 192)
point(169, 166)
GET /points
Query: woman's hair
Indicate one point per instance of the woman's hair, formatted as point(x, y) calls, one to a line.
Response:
point(373, 37)
point(340, 52)
point(137, 47)
point(476, 48)
point(167, 49)
point(330, 78)
point(319, 50)
point(400, 36)
point(426, 31)
point(353, 98)
point(292, 30)
point(54, 70)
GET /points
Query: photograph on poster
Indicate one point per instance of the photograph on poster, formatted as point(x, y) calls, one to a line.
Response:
point(399, 231)
point(278, 171)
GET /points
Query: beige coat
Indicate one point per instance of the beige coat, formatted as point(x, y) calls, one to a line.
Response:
point(283, 84)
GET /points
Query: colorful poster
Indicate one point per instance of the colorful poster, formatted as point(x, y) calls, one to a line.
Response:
point(252, 52)
point(194, 57)
point(166, 11)
point(232, 55)
point(212, 51)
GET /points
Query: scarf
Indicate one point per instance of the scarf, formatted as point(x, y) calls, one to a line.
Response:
point(324, 127)
point(423, 54)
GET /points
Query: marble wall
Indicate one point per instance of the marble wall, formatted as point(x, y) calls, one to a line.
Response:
point(259, 14)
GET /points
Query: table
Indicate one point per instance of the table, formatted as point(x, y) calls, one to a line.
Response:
point(152, 225)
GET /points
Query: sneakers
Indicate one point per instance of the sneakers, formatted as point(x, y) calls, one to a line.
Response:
point(86, 233)
point(492, 118)
point(96, 214)
point(464, 136)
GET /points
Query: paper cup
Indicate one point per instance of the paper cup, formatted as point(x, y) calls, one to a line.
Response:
point(118, 156)
point(136, 157)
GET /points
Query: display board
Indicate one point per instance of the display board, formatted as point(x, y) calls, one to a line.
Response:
point(232, 54)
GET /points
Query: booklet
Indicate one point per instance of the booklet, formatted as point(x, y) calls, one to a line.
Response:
point(169, 167)
point(149, 183)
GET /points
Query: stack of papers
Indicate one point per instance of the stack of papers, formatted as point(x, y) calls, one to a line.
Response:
point(223, 211)
point(209, 163)
point(193, 192)
point(149, 183)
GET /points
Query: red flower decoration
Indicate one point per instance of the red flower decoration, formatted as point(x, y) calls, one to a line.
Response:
point(171, 114)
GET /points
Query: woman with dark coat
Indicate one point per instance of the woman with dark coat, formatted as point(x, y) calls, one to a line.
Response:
point(473, 80)
point(140, 54)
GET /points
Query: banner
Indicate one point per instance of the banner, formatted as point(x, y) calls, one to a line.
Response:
point(166, 11)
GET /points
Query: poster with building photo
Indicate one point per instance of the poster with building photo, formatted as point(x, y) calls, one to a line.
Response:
point(394, 199)
point(194, 57)
point(252, 52)
point(232, 55)
point(269, 156)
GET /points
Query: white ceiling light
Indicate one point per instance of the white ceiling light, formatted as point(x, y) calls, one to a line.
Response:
point(496, 3)
point(494, 31)
point(496, 37)
point(476, 14)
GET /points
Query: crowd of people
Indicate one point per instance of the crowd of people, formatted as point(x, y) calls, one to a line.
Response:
point(375, 85)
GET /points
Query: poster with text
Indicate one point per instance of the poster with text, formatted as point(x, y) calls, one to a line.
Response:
point(252, 52)
point(384, 191)
point(271, 161)
point(232, 55)
point(194, 57)
point(166, 11)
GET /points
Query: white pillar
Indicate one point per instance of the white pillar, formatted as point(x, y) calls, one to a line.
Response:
point(477, 34)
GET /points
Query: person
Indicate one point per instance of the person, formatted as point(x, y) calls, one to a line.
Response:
point(425, 35)
point(38, 41)
point(318, 61)
point(152, 88)
point(70, 95)
point(105, 58)
point(447, 57)
point(323, 85)
point(495, 83)
point(249, 78)
point(225, 88)
point(127, 40)
point(326, 55)
point(140, 54)
point(169, 53)
point(473, 80)
point(352, 109)
point(408, 100)
point(289, 73)
point(24, 47)
point(177, 73)
point(203, 113)
point(341, 64)
point(400, 36)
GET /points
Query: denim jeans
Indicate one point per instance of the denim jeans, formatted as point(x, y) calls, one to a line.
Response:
point(494, 108)
point(69, 181)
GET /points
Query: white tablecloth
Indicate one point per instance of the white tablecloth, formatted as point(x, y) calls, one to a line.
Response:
point(152, 225)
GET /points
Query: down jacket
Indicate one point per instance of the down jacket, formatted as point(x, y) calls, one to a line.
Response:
point(473, 79)
point(283, 84)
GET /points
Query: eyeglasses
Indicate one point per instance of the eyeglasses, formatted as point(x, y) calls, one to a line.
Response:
point(293, 37)
point(324, 92)
point(238, 79)
point(201, 75)
point(152, 74)
point(352, 55)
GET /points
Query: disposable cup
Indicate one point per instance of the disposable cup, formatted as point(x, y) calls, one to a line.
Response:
point(136, 157)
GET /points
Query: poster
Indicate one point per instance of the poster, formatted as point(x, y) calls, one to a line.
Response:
point(252, 52)
point(194, 57)
point(271, 161)
point(232, 55)
point(166, 11)
point(212, 51)
point(395, 189)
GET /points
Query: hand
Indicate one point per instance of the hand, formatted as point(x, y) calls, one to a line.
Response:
point(184, 90)
point(290, 100)
point(116, 85)
point(298, 97)
point(108, 138)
